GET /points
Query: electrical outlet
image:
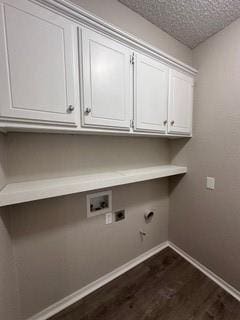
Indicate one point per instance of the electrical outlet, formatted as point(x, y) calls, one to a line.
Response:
point(210, 183)
point(109, 218)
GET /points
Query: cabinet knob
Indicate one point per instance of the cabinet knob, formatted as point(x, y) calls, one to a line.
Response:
point(70, 108)
point(165, 122)
point(87, 110)
point(172, 122)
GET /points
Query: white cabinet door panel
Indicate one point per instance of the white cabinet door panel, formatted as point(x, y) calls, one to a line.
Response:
point(151, 94)
point(106, 82)
point(38, 64)
point(180, 103)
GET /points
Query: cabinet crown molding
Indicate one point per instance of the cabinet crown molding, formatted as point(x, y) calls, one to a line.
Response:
point(80, 15)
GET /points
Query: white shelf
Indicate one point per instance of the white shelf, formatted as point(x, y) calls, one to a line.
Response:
point(14, 193)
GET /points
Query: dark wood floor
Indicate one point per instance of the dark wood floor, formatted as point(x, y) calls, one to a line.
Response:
point(164, 287)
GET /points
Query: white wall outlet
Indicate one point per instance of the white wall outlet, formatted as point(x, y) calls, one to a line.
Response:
point(210, 183)
point(109, 218)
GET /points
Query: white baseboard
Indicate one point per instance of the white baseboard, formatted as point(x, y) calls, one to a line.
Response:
point(76, 296)
point(219, 281)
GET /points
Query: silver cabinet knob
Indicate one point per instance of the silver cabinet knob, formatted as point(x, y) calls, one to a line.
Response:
point(165, 122)
point(87, 110)
point(70, 108)
point(172, 122)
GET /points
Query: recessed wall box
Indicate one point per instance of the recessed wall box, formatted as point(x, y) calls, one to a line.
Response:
point(119, 215)
point(99, 203)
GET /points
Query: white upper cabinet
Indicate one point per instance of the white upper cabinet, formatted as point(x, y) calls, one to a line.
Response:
point(106, 82)
point(180, 103)
point(71, 75)
point(38, 78)
point(150, 94)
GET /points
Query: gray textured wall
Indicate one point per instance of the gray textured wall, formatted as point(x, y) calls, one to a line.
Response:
point(206, 223)
point(58, 250)
point(53, 241)
point(9, 298)
point(40, 156)
point(9, 307)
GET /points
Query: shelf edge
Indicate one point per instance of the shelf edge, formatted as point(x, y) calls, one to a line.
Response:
point(121, 178)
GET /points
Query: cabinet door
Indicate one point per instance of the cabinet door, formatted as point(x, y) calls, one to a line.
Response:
point(180, 103)
point(151, 95)
point(37, 62)
point(106, 82)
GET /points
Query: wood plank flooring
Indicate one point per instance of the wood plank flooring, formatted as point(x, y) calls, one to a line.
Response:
point(164, 287)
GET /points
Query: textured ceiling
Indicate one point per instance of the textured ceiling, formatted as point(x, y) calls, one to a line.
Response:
point(189, 21)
